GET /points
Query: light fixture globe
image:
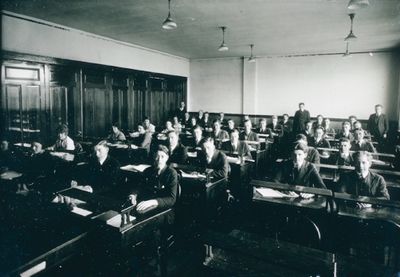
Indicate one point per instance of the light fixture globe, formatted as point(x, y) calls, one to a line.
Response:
point(251, 59)
point(223, 46)
point(169, 23)
point(357, 4)
point(351, 36)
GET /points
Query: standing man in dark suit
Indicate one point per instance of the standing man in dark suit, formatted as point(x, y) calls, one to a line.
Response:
point(378, 126)
point(180, 112)
point(300, 118)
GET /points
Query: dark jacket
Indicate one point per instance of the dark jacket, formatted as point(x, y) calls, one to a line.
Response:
point(307, 176)
point(299, 120)
point(163, 187)
point(378, 125)
point(102, 178)
point(362, 146)
point(340, 135)
point(347, 161)
point(218, 163)
point(312, 155)
point(179, 155)
point(373, 185)
point(252, 136)
point(323, 143)
point(242, 149)
point(286, 126)
point(277, 129)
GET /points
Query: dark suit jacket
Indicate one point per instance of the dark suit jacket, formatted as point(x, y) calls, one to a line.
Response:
point(260, 131)
point(242, 150)
point(218, 163)
point(179, 155)
point(277, 129)
point(252, 136)
point(323, 143)
point(307, 176)
point(287, 127)
point(365, 146)
point(312, 155)
point(163, 187)
point(378, 125)
point(102, 178)
point(299, 120)
point(348, 161)
point(373, 185)
point(341, 135)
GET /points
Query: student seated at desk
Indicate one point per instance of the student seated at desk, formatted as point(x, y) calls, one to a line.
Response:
point(193, 123)
point(142, 138)
point(298, 171)
point(8, 159)
point(358, 125)
point(116, 135)
point(148, 126)
point(345, 132)
point(237, 147)
point(286, 124)
point(231, 125)
point(37, 163)
point(319, 122)
point(168, 127)
point(180, 112)
point(363, 182)
point(64, 142)
point(361, 144)
point(274, 128)
point(176, 125)
point(352, 120)
point(197, 140)
point(345, 157)
point(247, 133)
point(312, 153)
point(309, 131)
point(262, 127)
point(222, 119)
point(319, 139)
point(176, 151)
point(200, 118)
point(186, 120)
point(218, 134)
point(214, 159)
point(160, 186)
point(206, 122)
point(329, 131)
point(102, 172)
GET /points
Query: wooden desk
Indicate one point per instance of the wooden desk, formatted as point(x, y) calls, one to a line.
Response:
point(37, 236)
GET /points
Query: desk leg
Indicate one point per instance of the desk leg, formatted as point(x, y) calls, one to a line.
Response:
point(209, 253)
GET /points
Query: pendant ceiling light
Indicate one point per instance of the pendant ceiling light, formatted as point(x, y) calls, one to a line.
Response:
point(351, 36)
point(357, 4)
point(347, 54)
point(251, 58)
point(223, 46)
point(169, 23)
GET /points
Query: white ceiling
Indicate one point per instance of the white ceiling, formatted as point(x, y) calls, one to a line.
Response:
point(275, 27)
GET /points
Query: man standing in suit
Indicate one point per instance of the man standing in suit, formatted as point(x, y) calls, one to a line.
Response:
point(235, 146)
point(378, 126)
point(180, 112)
point(300, 118)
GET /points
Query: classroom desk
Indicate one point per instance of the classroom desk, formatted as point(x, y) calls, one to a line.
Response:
point(37, 236)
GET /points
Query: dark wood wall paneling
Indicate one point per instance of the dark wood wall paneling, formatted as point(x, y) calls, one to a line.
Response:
point(40, 93)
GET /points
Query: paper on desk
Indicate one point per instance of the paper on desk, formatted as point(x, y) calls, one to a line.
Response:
point(192, 154)
point(194, 176)
point(9, 175)
point(272, 193)
point(81, 211)
point(233, 160)
point(63, 155)
point(116, 220)
point(135, 168)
